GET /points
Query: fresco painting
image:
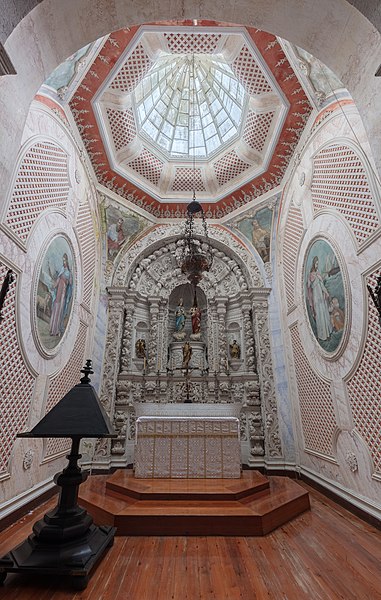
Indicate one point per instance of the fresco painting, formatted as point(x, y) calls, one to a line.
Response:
point(122, 228)
point(324, 295)
point(54, 298)
point(257, 230)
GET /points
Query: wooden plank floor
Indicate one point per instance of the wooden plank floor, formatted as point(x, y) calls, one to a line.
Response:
point(324, 554)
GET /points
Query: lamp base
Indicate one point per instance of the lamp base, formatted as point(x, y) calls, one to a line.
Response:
point(73, 559)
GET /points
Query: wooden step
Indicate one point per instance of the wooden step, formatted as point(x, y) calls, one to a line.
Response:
point(123, 482)
point(183, 513)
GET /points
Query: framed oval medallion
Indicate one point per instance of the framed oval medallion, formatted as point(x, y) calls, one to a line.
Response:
point(54, 294)
point(324, 292)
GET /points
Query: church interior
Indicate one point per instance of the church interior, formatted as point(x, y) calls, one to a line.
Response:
point(191, 200)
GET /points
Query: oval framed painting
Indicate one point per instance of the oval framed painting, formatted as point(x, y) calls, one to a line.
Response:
point(54, 292)
point(326, 299)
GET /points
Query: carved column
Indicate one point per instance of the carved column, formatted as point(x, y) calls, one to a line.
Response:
point(162, 336)
point(222, 340)
point(126, 350)
point(111, 365)
point(273, 445)
point(162, 348)
point(153, 335)
point(248, 336)
point(223, 366)
point(252, 408)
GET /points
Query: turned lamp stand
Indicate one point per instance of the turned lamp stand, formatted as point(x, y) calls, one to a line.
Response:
point(65, 542)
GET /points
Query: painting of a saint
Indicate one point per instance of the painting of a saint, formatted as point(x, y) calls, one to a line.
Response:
point(324, 293)
point(115, 237)
point(258, 231)
point(122, 227)
point(55, 288)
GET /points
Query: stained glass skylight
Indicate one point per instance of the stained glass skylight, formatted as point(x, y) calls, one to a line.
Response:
point(190, 104)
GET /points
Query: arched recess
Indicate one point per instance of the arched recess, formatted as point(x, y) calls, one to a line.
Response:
point(143, 282)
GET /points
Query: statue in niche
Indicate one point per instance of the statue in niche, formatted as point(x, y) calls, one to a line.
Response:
point(235, 350)
point(140, 350)
point(180, 316)
point(195, 313)
point(187, 355)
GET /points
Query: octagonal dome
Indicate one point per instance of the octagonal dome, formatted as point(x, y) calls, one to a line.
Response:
point(190, 109)
point(167, 110)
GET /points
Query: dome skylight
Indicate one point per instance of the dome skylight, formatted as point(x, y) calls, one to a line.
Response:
point(190, 105)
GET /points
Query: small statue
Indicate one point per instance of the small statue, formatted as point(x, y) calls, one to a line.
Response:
point(195, 313)
point(180, 316)
point(140, 350)
point(187, 355)
point(235, 350)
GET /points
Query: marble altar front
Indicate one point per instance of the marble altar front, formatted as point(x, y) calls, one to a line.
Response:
point(187, 447)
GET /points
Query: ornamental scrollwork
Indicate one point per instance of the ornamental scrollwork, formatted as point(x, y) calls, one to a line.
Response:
point(272, 438)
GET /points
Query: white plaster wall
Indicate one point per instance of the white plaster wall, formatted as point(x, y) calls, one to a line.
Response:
point(22, 482)
point(359, 486)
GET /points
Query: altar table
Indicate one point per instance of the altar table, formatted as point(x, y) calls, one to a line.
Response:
point(187, 447)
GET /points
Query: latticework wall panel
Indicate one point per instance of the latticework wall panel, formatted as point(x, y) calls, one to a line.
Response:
point(340, 181)
point(148, 166)
point(187, 180)
point(250, 74)
point(185, 43)
point(61, 384)
point(315, 401)
point(257, 128)
point(292, 236)
point(42, 182)
point(122, 125)
point(134, 69)
point(229, 167)
point(16, 383)
point(86, 235)
point(364, 387)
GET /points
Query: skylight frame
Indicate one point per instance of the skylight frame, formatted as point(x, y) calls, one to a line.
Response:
point(169, 131)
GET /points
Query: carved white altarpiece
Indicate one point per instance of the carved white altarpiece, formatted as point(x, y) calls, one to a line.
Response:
point(142, 290)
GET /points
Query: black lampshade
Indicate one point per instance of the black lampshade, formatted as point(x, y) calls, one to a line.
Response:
point(78, 414)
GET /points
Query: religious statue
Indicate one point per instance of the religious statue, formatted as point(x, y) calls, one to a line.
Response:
point(195, 313)
point(180, 316)
point(140, 350)
point(235, 350)
point(187, 355)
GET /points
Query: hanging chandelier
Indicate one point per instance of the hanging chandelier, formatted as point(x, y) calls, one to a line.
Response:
point(196, 255)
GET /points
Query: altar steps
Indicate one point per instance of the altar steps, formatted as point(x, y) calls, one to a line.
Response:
point(250, 506)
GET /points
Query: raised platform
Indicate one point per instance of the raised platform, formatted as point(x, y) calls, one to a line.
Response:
point(250, 506)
